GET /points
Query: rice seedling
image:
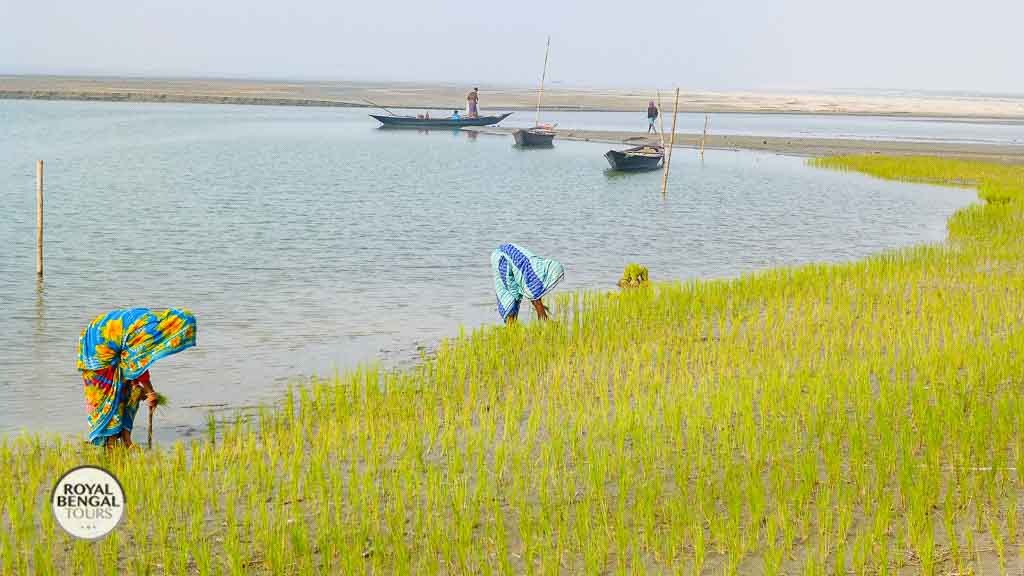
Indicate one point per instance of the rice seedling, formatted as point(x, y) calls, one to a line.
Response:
point(861, 416)
point(633, 275)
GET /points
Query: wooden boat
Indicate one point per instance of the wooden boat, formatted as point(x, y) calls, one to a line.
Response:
point(536, 137)
point(443, 122)
point(636, 159)
point(541, 135)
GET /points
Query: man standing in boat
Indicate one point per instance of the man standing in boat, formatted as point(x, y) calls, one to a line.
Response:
point(471, 103)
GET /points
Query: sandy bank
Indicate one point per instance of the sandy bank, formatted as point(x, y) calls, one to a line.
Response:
point(447, 96)
point(797, 146)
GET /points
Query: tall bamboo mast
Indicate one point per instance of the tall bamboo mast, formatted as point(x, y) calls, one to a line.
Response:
point(543, 76)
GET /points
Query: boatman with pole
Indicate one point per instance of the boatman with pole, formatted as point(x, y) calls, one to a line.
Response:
point(471, 103)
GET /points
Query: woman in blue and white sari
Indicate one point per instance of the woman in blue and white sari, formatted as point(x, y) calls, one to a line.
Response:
point(519, 274)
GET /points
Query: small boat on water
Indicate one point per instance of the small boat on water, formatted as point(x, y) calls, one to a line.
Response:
point(536, 137)
point(443, 122)
point(541, 135)
point(636, 159)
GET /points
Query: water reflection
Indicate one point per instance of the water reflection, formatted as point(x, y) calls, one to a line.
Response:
point(456, 132)
point(40, 317)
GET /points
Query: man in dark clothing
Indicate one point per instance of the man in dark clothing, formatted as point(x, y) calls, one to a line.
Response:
point(652, 115)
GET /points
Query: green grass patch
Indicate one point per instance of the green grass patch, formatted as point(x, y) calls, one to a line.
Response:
point(861, 417)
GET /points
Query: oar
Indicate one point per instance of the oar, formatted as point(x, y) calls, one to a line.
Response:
point(379, 106)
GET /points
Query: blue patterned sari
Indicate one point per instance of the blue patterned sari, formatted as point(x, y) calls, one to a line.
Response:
point(518, 274)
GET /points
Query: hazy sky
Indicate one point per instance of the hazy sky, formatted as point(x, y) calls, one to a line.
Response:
point(698, 44)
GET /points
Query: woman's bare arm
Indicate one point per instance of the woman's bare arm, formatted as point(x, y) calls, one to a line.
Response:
point(542, 312)
point(147, 389)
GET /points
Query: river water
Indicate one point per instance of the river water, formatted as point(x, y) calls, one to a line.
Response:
point(967, 131)
point(307, 240)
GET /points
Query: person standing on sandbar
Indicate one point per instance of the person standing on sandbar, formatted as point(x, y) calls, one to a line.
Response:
point(652, 115)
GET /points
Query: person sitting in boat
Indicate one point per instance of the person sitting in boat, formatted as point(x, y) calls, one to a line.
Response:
point(518, 273)
point(455, 115)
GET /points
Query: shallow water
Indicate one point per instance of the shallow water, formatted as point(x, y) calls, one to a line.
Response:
point(970, 131)
point(307, 240)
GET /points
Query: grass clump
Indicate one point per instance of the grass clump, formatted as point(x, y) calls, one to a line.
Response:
point(859, 417)
point(633, 275)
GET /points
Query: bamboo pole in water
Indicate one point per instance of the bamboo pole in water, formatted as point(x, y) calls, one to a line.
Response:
point(661, 118)
point(39, 218)
point(543, 76)
point(671, 145)
point(704, 137)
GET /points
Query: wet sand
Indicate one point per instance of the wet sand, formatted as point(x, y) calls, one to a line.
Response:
point(449, 96)
point(796, 146)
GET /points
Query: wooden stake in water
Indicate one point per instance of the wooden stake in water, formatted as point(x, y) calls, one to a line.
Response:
point(661, 117)
point(39, 218)
point(704, 137)
point(671, 145)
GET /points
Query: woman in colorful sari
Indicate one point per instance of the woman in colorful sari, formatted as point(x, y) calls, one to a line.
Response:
point(115, 353)
point(519, 274)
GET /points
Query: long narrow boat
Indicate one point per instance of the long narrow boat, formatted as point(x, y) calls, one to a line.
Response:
point(413, 122)
point(636, 159)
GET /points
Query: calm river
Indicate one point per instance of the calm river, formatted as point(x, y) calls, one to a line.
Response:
point(306, 239)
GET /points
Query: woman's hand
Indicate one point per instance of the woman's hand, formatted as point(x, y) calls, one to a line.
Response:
point(150, 393)
point(151, 399)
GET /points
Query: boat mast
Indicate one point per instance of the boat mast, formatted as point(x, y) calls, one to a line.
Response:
point(536, 120)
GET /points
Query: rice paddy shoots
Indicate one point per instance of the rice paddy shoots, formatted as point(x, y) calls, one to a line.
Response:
point(861, 417)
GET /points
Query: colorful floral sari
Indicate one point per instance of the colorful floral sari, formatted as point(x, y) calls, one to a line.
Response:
point(519, 274)
point(118, 347)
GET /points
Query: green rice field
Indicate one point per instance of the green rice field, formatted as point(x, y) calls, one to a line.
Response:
point(861, 418)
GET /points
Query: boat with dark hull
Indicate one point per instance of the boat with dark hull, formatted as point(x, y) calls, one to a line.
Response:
point(414, 122)
point(636, 159)
point(536, 137)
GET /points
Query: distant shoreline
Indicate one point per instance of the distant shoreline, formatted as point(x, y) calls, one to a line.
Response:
point(143, 98)
point(170, 98)
point(812, 147)
point(441, 97)
point(447, 97)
